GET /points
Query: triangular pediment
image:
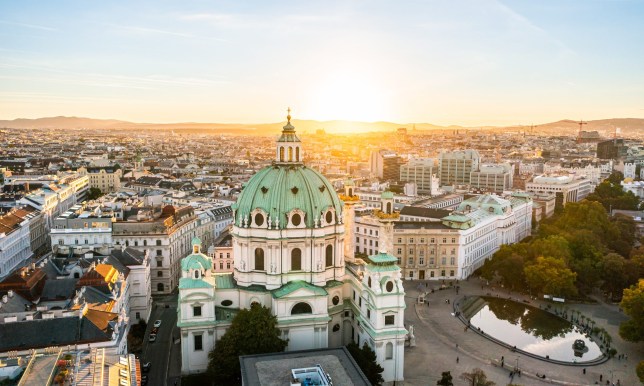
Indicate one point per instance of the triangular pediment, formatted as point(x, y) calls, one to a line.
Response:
point(296, 289)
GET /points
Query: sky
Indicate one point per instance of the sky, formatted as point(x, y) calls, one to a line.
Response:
point(463, 62)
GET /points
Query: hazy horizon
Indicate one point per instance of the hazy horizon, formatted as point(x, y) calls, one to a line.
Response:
point(467, 63)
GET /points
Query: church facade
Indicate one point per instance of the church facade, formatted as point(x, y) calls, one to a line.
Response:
point(290, 255)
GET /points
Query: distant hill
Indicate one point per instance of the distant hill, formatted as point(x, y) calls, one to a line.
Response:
point(563, 127)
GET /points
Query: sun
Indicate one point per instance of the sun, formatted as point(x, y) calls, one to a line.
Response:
point(351, 96)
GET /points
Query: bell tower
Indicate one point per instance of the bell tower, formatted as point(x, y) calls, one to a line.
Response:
point(289, 147)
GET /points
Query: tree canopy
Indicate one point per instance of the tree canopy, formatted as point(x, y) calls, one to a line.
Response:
point(477, 378)
point(366, 359)
point(550, 275)
point(446, 379)
point(633, 305)
point(252, 331)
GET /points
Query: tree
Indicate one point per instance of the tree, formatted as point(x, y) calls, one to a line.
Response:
point(640, 371)
point(633, 305)
point(94, 193)
point(252, 331)
point(366, 359)
point(446, 379)
point(617, 273)
point(477, 378)
point(549, 275)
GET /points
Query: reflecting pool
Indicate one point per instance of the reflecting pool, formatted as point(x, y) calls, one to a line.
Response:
point(532, 329)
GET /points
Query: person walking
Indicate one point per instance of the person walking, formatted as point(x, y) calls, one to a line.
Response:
point(457, 360)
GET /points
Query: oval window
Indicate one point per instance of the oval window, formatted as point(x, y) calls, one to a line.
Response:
point(390, 286)
point(259, 220)
point(336, 327)
point(329, 217)
point(227, 303)
point(335, 300)
point(296, 219)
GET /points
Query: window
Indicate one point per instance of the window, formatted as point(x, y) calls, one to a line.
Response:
point(451, 261)
point(400, 251)
point(329, 255)
point(336, 327)
point(399, 240)
point(136, 243)
point(329, 217)
point(259, 259)
point(138, 315)
point(431, 273)
point(431, 240)
point(197, 273)
point(159, 263)
point(369, 282)
point(160, 287)
point(296, 219)
point(389, 351)
point(296, 259)
point(196, 311)
point(368, 313)
point(301, 308)
point(145, 243)
point(198, 342)
point(335, 300)
point(228, 255)
point(159, 273)
point(451, 272)
point(444, 260)
point(411, 239)
point(228, 265)
point(60, 242)
point(389, 286)
point(86, 241)
point(159, 252)
point(390, 320)
point(259, 219)
point(442, 272)
point(158, 242)
point(221, 265)
point(410, 261)
point(422, 240)
point(421, 260)
point(444, 240)
point(453, 240)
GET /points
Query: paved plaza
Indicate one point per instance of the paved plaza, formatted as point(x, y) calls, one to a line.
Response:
point(440, 339)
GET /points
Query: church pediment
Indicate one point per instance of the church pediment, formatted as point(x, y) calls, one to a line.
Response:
point(295, 289)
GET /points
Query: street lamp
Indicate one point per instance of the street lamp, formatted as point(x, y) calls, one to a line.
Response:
point(517, 367)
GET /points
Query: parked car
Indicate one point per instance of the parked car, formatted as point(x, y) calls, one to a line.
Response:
point(153, 337)
point(146, 367)
point(157, 323)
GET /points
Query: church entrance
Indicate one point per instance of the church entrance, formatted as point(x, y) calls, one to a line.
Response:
point(421, 274)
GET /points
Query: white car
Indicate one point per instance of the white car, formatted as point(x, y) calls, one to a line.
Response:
point(153, 337)
point(157, 323)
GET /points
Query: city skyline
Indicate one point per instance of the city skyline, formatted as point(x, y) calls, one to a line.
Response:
point(471, 64)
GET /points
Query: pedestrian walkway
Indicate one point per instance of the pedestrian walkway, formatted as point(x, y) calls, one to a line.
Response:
point(441, 338)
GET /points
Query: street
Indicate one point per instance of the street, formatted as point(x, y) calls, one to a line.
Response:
point(158, 352)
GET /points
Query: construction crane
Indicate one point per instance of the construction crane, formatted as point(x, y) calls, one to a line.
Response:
point(580, 123)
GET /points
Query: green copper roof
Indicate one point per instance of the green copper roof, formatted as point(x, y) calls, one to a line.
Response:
point(293, 286)
point(387, 195)
point(280, 188)
point(196, 261)
point(383, 258)
point(224, 281)
point(196, 241)
point(189, 283)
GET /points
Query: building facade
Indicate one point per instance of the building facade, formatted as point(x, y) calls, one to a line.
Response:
point(492, 178)
point(422, 172)
point(566, 188)
point(455, 167)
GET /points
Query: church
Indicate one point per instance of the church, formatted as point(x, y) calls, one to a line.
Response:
point(293, 253)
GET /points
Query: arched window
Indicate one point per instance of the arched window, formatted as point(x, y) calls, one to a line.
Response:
point(369, 281)
point(389, 286)
point(259, 259)
point(389, 208)
point(196, 274)
point(297, 154)
point(329, 255)
point(160, 287)
point(296, 259)
point(301, 308)
point(281, 153)
point(290, 154)
point(389, 351)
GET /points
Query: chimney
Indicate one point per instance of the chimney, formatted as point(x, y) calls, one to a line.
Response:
point(10, 293)
point(5, 299)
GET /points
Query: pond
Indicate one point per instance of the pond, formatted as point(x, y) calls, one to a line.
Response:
point(532, 329)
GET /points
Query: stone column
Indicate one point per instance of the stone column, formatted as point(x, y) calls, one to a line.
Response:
point(349, 231)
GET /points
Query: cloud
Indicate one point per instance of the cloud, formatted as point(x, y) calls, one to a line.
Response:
point(25, 25)
point(156, 31)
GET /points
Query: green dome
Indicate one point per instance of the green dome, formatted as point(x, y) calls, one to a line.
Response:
point(280, 188)
point(195, 261)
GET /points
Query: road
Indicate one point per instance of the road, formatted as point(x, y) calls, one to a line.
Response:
point(158, 352)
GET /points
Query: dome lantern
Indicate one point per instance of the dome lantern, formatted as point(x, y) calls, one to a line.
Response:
point(289, 147)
